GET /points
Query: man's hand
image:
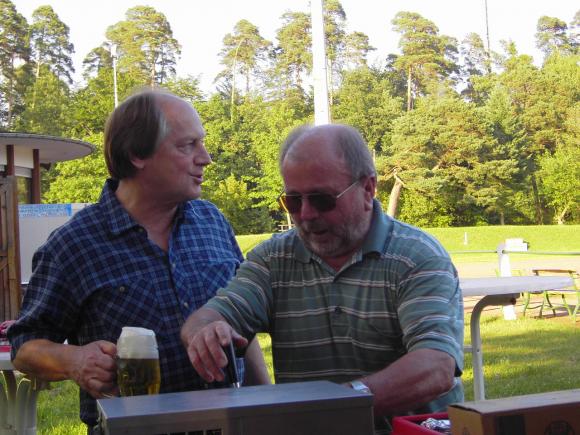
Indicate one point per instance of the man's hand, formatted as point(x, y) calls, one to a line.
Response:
point(95, 370)
point(205, 349)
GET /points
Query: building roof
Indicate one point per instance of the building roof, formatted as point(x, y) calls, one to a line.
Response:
point(51, 149)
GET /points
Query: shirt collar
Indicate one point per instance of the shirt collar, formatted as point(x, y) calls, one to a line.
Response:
point(381, 226)
point(374, 241)
point(118, 218)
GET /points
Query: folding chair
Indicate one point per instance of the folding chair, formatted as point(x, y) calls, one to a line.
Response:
point(572, 310)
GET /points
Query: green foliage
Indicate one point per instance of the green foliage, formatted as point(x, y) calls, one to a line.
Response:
point(232, 197)
point(481, 146)
point(50, 44)
point(79, 180)
point(145, 45)
point(559, 176)
point(14, 48)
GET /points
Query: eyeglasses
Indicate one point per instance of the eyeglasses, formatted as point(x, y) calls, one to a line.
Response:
point(322, 202)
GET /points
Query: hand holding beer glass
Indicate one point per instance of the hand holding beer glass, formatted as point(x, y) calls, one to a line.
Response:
point(138, 369)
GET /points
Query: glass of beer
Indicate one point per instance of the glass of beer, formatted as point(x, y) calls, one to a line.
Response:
point(138, 370)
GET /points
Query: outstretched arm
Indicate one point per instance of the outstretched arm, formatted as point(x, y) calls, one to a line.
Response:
point(91, 366)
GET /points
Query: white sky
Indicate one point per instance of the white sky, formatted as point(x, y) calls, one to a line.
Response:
point(200, 26)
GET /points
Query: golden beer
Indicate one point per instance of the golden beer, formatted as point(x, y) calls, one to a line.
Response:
point(138, 369)
point(136, 377)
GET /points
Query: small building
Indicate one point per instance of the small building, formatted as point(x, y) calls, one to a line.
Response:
point(21, 157)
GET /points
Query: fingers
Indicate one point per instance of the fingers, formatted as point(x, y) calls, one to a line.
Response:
point(96, 370)
point(206, 352)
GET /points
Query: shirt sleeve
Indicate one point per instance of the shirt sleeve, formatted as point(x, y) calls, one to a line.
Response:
point(48, 309)
point(430, 309)
point(246, 302)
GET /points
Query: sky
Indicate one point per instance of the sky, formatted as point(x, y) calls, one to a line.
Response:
point(199, 26)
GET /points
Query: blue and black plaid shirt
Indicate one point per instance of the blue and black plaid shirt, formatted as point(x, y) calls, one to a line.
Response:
point(100, 272)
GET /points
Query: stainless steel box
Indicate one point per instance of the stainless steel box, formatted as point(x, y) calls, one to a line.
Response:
point(305, 408)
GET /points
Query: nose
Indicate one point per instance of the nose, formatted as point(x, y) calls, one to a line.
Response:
point(202, 158)
point(307, 212)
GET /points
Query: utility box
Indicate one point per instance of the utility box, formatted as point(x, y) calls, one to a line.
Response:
point(516, 245)
point(305, 408)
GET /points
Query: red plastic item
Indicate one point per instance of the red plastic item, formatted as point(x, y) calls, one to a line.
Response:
point(5, 348)
point(410, 424)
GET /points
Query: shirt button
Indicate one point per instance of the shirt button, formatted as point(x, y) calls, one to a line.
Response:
point(338, 310)
point(122, 288)
point(186, 305)
point(173, 265)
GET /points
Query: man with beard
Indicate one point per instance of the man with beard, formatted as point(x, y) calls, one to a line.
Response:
point(350, 295)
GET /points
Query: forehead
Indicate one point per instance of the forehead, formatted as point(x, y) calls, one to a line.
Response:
point(181, 117)
point(314, 163)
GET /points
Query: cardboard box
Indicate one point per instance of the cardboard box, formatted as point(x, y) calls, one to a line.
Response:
point(555, 413)
point(410, 425)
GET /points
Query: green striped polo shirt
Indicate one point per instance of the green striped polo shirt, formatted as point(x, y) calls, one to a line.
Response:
point(398, 293)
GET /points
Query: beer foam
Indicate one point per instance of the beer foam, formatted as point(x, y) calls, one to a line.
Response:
point(137, 343)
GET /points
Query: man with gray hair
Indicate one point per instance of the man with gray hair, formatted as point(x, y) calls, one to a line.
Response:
point(148, 254)
point(350, 295)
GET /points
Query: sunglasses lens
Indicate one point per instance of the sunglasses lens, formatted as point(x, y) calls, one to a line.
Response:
point(322, 201)
point(292, 203)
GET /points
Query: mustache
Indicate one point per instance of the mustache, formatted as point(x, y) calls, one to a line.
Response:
point(312, 227)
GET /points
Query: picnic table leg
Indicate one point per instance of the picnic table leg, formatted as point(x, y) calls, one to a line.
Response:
point(8, 408)
point(477, 356)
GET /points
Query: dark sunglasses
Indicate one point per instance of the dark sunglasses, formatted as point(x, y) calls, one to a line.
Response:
point(292, 203)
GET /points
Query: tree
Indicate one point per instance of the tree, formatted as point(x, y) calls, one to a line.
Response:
point(426, 56)
point(476, 64)
point(551, 36)
point(14, 49)
point(145, 45)
point(334, 19)
point(49, 115)
point(559, 176)
point(365, 102)
point(292, 57)
point(444, 151)
point(50, 44)
point(356, 50)
point(244, 52)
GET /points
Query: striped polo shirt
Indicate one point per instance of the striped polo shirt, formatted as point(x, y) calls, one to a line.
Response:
point(398, 293)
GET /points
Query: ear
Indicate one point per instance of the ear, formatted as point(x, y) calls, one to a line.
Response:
point(138, 163)
point(369, 185)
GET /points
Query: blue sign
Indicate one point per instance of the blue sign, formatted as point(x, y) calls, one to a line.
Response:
point(44, 210)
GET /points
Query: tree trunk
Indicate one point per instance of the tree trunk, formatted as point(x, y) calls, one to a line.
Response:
point(537, 203)
point(394, 196)
point(409, 101)
point(501, 218)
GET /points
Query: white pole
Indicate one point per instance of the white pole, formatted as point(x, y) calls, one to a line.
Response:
point(321, 109)
point(505, 269)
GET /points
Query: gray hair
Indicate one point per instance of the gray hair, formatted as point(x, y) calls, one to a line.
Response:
point(348, 142)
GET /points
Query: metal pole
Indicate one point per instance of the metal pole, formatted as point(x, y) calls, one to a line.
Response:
point(321, 109)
